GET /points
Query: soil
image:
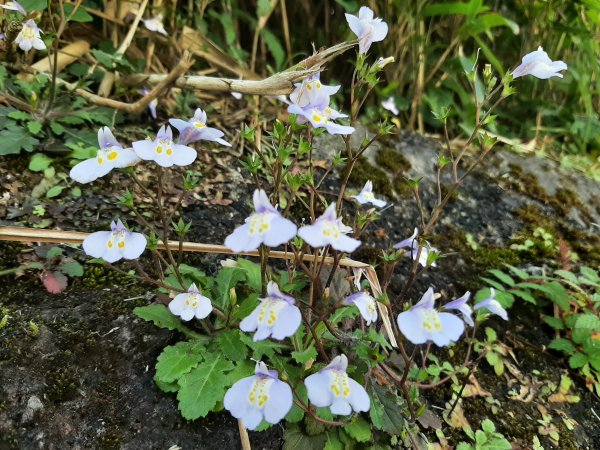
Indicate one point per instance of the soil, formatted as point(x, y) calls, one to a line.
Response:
point(84, 380)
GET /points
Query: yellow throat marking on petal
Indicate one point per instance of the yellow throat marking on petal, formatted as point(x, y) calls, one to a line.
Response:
point(169, 150)
point(260, 223)
point(309, 87)
point(269, 311)
point(28, 33)
point(316, 117)
point(259, 392)
point(431, 321)
point(159, 149)
point(199, 125)
point(318, 85)
point(331, 230)
point(368, 195)
point(121, 244)
point(113, 155)
point(339, 383)
point(110, 244)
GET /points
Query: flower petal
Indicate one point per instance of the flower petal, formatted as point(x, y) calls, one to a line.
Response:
point(94, 245)
point(183, 155)
point(345, 244)
point(411, 326)
point(135, 244)
point(145, 149)
point(177, 305)
point(313, 235)
point(359, 399)
point(341, 407)
point(280, 232)
point(317, 386)
point(287, 323)
point(204, 308)
point(452, 329)
point(241, 240)
point(279, 403)
point(88, 171)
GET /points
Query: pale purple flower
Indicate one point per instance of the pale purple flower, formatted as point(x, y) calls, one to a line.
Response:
point(14, 6)
point(365, 304)
point(367, 28)
point(164, 151)
point(539, 64)
point(332, 387)
point(276, 316)
point(321, 117)
point(390, 105)
point(265, 226)
point(492, 305)
point(413, 243)
point(191, 303)
point(329, 230)
point(152, 105)
point(155, 24)
point(261, 396)
point(423, 323)
point(311, 92)
point(195, 129)
point(113, 245)
point(109, 156)
point(460, 304)
point(366, 196)
point(29, 37)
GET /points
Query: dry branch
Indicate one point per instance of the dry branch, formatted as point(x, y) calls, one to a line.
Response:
point(281, 83)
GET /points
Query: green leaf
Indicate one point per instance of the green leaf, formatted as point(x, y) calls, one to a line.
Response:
point(57, 128)
point(524, 295)
point(386, 410)
point(563, 345)
point(54, 191)
point(332, 441)
point(231, 345)
point(253, 275)
point(71, 268)
point(14, 139)
point(506, 279)
point(585, 325)
point(34, 127)
point(305, 356)
point(554, 322)
point(177, 360)
point(494, 284)
point(81, 15)
point(202, 388)
point(162, 318)
point(359, 430)
point(578, 360)
point(590, 274)
point(445, 9)
point(39, 162)
point(295, 439)
point(569, 276)
point(227, 278)
point(166, 387)
point(20, 115)
point(34, 5)
point(275, 47)
point(518, 272)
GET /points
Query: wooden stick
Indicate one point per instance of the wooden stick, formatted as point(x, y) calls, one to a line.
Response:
point(244, 438)
point(23, 234)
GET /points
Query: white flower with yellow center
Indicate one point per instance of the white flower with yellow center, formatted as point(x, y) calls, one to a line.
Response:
point(29, 37)
point(276, 316)
point(321, 116)
point(312, 92)
point(423, 323)
point(366, 304)
point(164, 151)
point(329, 230)
point(191, 304)
point(332, 387)
point(367, 28)
point(366, 196)
point(265, 226)
point(261, 396)
point(110, 155)
point(113, 245)
point(195, 129)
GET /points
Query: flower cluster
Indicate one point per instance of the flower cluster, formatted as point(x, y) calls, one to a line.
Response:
point(267, 226)
point(311, 102)
point(265, 396)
